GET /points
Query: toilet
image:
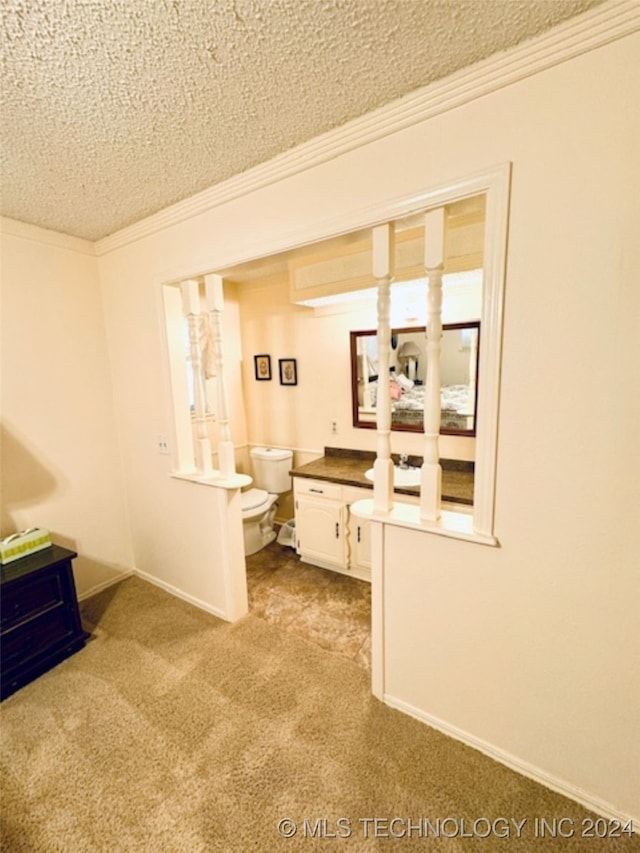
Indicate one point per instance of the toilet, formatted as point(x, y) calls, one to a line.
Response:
point(271, 478)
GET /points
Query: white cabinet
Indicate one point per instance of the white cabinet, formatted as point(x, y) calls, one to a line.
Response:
point(360, 545)
point(320, 530)
point(358, 534)
point(327, 535)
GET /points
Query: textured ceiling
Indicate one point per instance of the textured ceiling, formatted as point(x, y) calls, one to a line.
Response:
point(114, 109)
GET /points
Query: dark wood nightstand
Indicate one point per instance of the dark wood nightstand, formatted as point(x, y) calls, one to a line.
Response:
point(40, 620)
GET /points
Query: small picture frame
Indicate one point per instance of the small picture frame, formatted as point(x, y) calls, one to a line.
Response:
point(262, 366)
point(288, 371)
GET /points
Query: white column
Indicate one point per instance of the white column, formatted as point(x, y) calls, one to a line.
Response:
point(431, 473)
point(382, 272)
point(215, 303)
point(192, 310)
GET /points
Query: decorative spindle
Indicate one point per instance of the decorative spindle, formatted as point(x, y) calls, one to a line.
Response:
point(215, 302)
point(431, 473)
point(383, 272)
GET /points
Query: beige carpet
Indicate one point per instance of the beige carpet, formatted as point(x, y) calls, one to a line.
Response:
point(174, 731)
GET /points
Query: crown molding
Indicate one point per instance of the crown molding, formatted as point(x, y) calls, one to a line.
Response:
point(25, 231)
point(597, 27)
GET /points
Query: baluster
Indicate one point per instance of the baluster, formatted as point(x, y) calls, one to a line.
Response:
point(191, 308)
point(215, 302)
point(431, 472)
point(383, 465)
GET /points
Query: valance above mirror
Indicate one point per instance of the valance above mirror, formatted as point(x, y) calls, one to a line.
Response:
point(408, 369)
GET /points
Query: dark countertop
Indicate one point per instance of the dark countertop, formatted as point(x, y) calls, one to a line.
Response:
point(347, 467)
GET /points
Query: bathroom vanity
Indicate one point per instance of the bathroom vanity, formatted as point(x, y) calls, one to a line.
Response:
point(327, 533)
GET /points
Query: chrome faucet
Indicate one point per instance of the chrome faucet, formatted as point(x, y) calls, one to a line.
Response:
point(404, 461)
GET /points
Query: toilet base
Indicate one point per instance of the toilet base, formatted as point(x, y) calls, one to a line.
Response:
point(258, 532)
point(255, 541)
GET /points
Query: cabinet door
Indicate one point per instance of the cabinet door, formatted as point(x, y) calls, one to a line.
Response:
point(360, 542)
point(320, 530)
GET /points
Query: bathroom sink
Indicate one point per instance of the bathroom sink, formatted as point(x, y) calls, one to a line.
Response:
point(401, 476)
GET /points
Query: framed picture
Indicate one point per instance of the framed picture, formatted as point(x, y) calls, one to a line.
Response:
point(288, 371)
point(262, 366)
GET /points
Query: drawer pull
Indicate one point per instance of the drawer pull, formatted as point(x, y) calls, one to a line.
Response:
point(317, 491)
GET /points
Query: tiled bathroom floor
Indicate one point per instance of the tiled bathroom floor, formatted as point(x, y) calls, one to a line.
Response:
point(324, 607)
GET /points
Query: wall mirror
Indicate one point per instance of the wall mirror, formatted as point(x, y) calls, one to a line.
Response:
point(408, 367)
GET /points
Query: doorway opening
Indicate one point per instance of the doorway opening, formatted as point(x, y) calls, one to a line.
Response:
point(326, 608)
point(275, 317)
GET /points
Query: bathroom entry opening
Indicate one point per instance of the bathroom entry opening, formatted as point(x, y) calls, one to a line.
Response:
point(493, 186)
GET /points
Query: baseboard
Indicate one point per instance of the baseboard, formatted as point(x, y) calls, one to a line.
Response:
point(560, 786)
point(173, 590)
point(105, 584)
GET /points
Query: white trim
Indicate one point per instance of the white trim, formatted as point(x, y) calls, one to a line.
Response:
point(127, 573)
point(597, 27)
point(216, 479)
point(25, 231)
point(345, 222)
point(178, 593)
point(524, 768)
point(452, 524)
point(167, 587)
point(487, 410)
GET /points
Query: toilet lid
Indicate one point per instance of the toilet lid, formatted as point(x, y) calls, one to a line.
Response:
point(254, 498)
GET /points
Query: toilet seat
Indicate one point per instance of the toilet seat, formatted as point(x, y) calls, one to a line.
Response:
point(254, 499)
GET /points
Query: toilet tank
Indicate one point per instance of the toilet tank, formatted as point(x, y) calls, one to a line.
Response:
point(271, 468)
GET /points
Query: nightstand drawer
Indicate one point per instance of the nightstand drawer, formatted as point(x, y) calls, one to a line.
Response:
point(21, 602)
point(42, 633)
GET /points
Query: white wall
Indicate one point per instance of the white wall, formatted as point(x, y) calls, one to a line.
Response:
point(299, 416)
point(530, 647)
point(177, 531)
point(61, 468)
